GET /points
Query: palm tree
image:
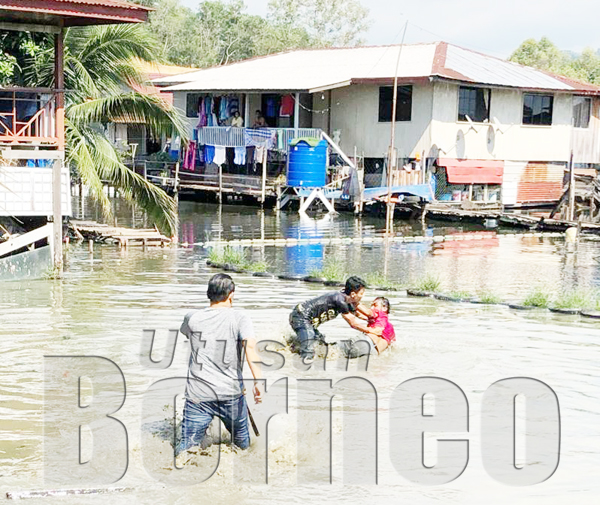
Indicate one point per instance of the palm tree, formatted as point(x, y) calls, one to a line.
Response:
point(100, 77)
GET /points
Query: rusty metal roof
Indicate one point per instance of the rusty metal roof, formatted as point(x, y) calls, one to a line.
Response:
point(319, 69)
point(71, 12)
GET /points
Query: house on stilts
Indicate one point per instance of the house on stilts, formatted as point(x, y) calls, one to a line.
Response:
point(468, 126)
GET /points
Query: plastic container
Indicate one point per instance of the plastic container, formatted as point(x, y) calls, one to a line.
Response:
point(307, 163)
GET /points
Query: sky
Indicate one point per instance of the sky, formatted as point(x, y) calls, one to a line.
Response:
point(494, 27)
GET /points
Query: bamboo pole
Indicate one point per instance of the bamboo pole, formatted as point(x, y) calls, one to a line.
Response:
point(392, 157)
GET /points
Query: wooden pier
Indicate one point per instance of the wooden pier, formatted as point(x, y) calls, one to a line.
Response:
point(90, 230)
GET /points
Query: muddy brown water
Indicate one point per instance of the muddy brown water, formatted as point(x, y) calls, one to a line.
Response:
point(105, 301)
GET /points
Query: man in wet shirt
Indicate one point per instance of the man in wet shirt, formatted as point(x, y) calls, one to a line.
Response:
point(307, 316)
point(218, 336)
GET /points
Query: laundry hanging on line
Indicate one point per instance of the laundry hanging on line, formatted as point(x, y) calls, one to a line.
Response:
point(209, 154)
point(220, 155)
point(240, 155)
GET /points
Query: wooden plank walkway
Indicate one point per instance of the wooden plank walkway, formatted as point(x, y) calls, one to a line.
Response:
point(91, 230)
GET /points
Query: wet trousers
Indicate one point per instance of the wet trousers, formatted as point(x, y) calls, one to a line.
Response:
point(198, 416)
point(306, 332)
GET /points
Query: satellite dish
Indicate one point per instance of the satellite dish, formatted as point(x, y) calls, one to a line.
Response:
point(497, 125)
point(471, 124)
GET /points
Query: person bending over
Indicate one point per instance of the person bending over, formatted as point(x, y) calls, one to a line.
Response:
point(214, 383)
point(307, 316)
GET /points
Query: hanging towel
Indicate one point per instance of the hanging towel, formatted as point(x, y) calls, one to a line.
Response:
point(259, 154)
point(219, 155)
point(240, 156)
point(209, 154)
point(224, 109)
point(271, 107)
point(234, 104)
point(287, 106)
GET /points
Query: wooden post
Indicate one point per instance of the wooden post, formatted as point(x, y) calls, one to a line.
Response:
point(571, 215)
point(263, 193)
point(59, 79)
point(247, 118)
point(175, 238)
point(220, 183)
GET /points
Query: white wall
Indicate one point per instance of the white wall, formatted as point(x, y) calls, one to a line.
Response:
point(512, 140)
point(355, 111)
point(27, 191)
point(586, 141)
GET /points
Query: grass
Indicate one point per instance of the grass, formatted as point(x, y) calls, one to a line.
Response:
point(575, 299)
point(51, 274)
point(236, 257)
point(490, 298)
point(460, 294)
point(430, 283)
point(538, 298)
point(258, 266)
point(378, 280)
point(332, 271)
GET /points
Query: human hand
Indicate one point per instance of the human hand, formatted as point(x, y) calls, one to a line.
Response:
point(257, 393)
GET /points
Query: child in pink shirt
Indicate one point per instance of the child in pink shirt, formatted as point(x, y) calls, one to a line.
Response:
point(382, 331)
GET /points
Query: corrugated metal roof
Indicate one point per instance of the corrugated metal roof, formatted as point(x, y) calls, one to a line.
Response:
point(488, 70)
point(72, 12)
point(306, 70)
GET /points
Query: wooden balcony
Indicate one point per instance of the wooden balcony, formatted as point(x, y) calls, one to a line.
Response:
point(28, 117)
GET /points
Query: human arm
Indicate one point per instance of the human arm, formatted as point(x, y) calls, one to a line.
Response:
point(253, 361)
point(364, 310)
point(358, 324)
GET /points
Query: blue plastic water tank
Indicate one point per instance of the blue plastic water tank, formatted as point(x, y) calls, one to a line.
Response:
point(307, 165)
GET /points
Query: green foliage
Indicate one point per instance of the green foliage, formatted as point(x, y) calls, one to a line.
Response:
point(258, 266)
point(378, 280)
point(101, 64)
point(430, 283)
point(327, 22)
point(332, 271)
point(17, 49)
point(220, 32)
point(539, 297)
point(575, 299)
point(544, 55)
point(488, 297)
point(461, 295)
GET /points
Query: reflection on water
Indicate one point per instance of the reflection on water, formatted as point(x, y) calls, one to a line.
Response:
point(108, 298)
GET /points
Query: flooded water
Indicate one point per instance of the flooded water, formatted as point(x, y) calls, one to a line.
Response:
point(108, 298)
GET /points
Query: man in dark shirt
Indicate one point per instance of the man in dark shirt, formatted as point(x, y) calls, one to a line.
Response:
point(307, 316)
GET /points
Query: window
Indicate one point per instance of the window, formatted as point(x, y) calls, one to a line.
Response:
point(191, 104)
point(475, 103)
point(537, 109)
point(582, 108)
point(403, 104)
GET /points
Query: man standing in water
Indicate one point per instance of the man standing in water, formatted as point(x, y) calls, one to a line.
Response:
point(307, 316)
point(214, 387)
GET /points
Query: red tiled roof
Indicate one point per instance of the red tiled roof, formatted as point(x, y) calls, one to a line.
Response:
point(72, 12)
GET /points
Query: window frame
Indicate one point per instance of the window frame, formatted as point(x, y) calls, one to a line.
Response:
point(541, 96)
point(399, 110)
point(489, 104)
point(188, 96)
point(587, 100)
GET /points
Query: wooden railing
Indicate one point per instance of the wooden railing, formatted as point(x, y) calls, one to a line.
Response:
point(28, 117)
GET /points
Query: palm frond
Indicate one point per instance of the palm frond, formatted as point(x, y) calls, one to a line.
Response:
point(130, 107)
point(81, 154)
point(101, 155)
